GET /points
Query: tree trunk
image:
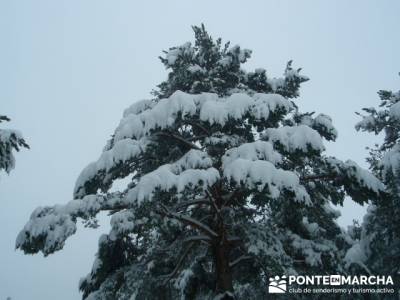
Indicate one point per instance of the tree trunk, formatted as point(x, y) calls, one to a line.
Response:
point(224, 285)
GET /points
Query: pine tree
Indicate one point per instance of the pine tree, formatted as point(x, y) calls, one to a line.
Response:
point(228, 185)
point(10, 140)
point(378, 251)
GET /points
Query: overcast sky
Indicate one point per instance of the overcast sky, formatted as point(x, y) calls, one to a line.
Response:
point(69, 68)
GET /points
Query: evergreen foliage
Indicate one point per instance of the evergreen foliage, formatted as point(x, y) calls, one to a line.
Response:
point(228, 185)
point(379, 246)
point(10, 140)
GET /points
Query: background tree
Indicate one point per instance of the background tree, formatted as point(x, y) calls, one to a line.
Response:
point(228, 184)
point(10, 140)
point(378, 250)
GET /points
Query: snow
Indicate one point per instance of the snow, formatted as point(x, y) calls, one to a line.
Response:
point(241, 54)
point(54, 229)
point(290, 74)
point(276, 83)
point(225, 61)
point(195, 69)
point(261, 174)
point(332, 211)
point(394, 111)
point(138, 107)
point(312, 250)
point(234, 106)
point(10, 140)
point(259, 150)
point(366, 123)
point(123, 221)
point(7, 134)
point(164, 179)
point(260, 71)
point(312, 228)
point(193, 159)
point(181, 282)
point(174, 53)
point(294, 138)
point(122, 151)
point(237, 105)
point(356, 254)
point(363, 177)
point(350, 168)
point(53, 225)
point(208, 106)
point(179, 175)
point(269, 103)
point(219, 138)
point(391, 161)
point(325, 122)
point(293, 73)
point(162, 115)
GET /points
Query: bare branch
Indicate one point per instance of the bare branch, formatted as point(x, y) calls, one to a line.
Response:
point(189, 221)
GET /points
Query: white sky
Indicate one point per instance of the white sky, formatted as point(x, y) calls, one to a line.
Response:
point(69, 68)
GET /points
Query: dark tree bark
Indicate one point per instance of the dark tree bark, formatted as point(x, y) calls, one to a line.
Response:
point(223, 271)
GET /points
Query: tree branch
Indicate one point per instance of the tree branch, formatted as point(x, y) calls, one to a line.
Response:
point(213, 202)
point(193, 202)
point(179, 139)
point(189, 221)
point(202, 128)
point(195, 238)
point(197, 137)
point(178, 265)
point(238, 260)
point(321, 177)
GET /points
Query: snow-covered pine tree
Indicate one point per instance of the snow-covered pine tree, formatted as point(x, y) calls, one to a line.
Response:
point(10, 140)
point(378, 250)
point(228, 185)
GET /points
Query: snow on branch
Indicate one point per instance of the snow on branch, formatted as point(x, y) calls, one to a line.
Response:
point(259, 150)
point(260, 174)
point(312, 250)
point(122, 151)
point(179, 175)
point(321, 123)
point(353, 172)
point(10, 140)
point(49, 227)
point(207, 107)
point(295, 138)
point(390, 161)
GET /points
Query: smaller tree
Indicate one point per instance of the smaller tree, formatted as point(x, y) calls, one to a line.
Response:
point(10, 140)
point(378, 249)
